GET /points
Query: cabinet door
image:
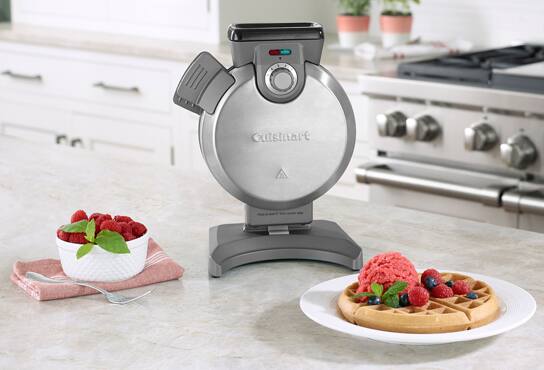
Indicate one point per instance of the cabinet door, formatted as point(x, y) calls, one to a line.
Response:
point(134, 141)
point(33, 123)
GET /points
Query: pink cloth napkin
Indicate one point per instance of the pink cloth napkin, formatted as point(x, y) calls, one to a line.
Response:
point(158, 267)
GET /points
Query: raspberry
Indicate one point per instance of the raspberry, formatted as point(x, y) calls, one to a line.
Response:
point(78, 238)
point(461, 287)
point(101, 219)
point(418, 296)
point(125, 227)
point(442, 291)
point(110, 225)
point(123, 219)
point(138, 229)
point(63, 235)
point(128, 236)
point(94, 216)
point(78, 216)
point(432, 273)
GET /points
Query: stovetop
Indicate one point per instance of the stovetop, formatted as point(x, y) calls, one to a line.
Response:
point(487, 68)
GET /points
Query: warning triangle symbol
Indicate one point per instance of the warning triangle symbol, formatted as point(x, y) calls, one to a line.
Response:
point(282, 174)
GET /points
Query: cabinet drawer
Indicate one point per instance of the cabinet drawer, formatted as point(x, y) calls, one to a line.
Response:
point(134, 141)
point(125, 86)
point(121, 85)
point(36, 124)
point(34, 74)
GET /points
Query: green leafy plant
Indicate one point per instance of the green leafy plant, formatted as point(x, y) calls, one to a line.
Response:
point(398, 7)
point(390, 297)
point(110, 241)
point(355, 7)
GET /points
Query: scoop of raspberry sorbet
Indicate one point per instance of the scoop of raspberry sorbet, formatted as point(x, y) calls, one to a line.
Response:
point(385, 269)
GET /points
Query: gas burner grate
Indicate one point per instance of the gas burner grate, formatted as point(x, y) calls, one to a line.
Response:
point(472, 68)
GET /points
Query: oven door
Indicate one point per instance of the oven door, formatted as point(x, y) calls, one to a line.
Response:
point(527, 201)
point(438, 189)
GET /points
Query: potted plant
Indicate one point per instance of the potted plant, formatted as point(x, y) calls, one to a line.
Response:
point(353, 22)
point(396, 22)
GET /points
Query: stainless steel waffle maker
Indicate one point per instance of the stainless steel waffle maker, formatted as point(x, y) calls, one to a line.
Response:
point(277, 131)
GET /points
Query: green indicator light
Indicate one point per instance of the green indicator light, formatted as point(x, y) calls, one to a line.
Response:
point(285, 51)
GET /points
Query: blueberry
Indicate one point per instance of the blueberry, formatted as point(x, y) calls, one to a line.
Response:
point(471, 295)
point(374, 300)
point(430, 282)
point(403, 300)
point(449, 283)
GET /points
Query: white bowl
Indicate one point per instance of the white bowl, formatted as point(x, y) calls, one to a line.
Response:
point(100, 265)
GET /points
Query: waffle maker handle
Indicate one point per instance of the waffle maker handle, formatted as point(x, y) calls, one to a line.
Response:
point(203, 84)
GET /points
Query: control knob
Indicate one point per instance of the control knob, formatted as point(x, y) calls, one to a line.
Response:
point(518, 152)
point(480, 136)
point(422, 128)
point(391, 124)
point(281, 78)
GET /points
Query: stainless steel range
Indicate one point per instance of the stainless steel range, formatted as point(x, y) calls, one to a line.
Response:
point(461, 135)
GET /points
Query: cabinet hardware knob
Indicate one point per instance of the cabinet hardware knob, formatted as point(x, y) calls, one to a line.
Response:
point(61, 139)
point(76, 143)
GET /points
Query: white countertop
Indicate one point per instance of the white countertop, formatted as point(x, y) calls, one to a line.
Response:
point(250, 317)
point(344, 64)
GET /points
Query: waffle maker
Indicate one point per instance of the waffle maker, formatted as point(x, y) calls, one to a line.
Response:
point(276, 131)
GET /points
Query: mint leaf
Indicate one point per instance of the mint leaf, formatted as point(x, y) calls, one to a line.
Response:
point(112, 241)
point(363, 294)
point(392, 301)
point(84, 249)
point(89, 231)
point(377, 289)
point(395, 289)
point(76, 227)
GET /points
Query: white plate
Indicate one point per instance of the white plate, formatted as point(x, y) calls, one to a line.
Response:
point(517, 307)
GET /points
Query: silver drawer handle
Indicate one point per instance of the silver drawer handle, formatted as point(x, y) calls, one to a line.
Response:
point(21, 76)
point(517, 201)
point(105, 86)
point(385, 176)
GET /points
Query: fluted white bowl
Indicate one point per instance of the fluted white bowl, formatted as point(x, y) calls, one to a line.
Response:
point(101, 265)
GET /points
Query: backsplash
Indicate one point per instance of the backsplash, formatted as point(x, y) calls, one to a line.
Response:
point(485, 22)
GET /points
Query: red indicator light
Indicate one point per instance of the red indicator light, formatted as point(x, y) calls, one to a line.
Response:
point(274, 52)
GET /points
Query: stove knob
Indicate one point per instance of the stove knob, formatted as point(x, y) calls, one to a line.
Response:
point(391, 124)
point(422, 128)
point(480, 136)
point(518, 152)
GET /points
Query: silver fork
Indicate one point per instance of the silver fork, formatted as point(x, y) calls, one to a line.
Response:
point(114, 298)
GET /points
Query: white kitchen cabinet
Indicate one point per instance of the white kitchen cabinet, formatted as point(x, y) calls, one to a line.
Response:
point(189, 20)
point(175, 19)
point(129, 140)
point(37, 124)
point(130, 115)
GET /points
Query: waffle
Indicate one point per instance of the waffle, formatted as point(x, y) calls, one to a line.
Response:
point(440, 315)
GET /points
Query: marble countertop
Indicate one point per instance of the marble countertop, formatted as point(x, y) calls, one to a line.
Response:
point(344, 64)
point(249, 318)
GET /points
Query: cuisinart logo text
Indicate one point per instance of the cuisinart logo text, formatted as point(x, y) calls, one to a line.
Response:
point(274, 137)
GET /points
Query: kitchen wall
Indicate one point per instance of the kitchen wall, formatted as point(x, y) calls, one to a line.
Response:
point(485, 22)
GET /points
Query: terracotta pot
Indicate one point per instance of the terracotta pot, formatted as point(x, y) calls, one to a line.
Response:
point(352, 29)
point(396, 29)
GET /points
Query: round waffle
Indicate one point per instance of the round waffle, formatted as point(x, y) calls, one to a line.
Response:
point(439, 315)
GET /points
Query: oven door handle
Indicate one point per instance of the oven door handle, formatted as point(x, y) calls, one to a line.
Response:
point(383, 175)
point(523, 202)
